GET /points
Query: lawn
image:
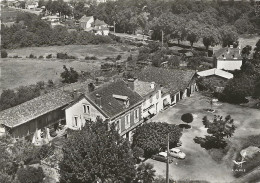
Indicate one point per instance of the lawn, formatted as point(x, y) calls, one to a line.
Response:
point(17, 72)
point(24, 71)
point(213, 165)
point(79, 51)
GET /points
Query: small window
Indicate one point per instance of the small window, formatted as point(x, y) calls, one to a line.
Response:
point(127, 121)
point(118, 127)
point(151, 99)
point(76, 121)
point(157, 95)
point(86, 109)
point(136, 114)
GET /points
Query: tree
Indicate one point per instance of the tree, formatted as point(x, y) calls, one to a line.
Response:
point(246, 51)
point(220, 127)
point(229, 35)
point(137, 153)
point(69, 76)
point(210, 36)
point(30, 175)
point(145, 173)
point(151, 137)
point(7, 99)
point(97, 152)
point(257, 50)
point(193, 32)
point(3, 54)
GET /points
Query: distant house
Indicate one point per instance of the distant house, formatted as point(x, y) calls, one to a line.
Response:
point(114, 102)
point(31, 4)
point(228, 58)
point(29, 119)
point(152, 95)
point(100, 27)
point(178, 83)
point(86, 23)
point(54, 20)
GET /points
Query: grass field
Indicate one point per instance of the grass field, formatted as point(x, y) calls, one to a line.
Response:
point(80, 51)
point(17, 72)
point(24, 71)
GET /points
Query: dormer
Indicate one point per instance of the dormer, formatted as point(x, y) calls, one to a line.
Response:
point(123, 98)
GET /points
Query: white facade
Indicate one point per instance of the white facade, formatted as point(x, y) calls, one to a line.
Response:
point(79, 113)
point(152, 104)
point(102, 32)
point(229, 64)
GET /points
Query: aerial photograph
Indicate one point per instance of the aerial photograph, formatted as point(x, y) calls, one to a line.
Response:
point(130, 91)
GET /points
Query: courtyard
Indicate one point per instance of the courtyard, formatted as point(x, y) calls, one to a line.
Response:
point(214, 165)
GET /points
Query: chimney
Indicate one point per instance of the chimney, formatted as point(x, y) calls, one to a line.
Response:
point(98, 100)
point(131, 83)
point(152, 85)
point(91, 87)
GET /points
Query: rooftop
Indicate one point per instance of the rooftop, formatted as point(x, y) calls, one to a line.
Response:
point(111, 105)
point(85, 18)
point(143, 88)
point(99, 22)
point(216, 72)
point(34, 108)
point(228, 53)
point(173, 80)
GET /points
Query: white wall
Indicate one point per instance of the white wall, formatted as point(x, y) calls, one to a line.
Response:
point(91, 20)
point(2, 131)
point(155, 101)
point(76, 110)
point(229, 64)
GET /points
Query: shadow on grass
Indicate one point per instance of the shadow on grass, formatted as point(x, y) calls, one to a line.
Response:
point(210, 142)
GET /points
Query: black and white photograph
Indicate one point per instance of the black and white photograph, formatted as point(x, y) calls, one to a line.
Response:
point(130, 91)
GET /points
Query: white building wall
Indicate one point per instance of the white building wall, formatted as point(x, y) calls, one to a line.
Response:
point(153, 107)
point(91, 20)
point(77, 110)
point(229, 64)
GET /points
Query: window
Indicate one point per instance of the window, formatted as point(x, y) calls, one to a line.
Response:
point(127, 121)
point(86, 109)
point(157, 95)
point(118, 127)
point(136, 114)
point(75, 121)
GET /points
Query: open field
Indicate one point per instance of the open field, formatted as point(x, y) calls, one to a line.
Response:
point(213, 165)
point(79, 51)
point(23, 71)
point(17, 72)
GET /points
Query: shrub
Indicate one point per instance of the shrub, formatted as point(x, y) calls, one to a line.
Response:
point(50, 83)
point(40, 84)
point(118, 57)
point(30, 175)
point(32, 56)
point(40, 57)
point(49, 56)
point(65, 56)
point(187, 117)
point(130, 58)
point(90, 58)
point(3, 54)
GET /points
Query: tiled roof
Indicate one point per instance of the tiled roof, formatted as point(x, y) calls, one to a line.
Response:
point(216, 72)
point(228, 53)
point(34, 108)
point(143, 88)
point(85, 18)
point(110, 105)
point(99, 22)
point(173, 79)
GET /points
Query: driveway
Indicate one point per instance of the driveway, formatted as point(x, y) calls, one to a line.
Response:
point(199, 164)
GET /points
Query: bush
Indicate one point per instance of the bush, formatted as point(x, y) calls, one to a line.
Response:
point(65, 56)
point(187, 118)
point(50, 83)
point(32, 56)
point(30, 175)
point(3, 54)
point(118, 57)
point(49, 56)
point(40, 57)
point(90, 58)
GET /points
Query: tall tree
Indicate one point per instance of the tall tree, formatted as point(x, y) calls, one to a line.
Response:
point(210, 36)
point(97, 153)
point(229, 35)
point(193, 31)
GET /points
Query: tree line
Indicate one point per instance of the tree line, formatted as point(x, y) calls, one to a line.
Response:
point(30, 30)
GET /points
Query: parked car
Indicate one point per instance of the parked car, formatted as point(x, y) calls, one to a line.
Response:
point(162, 156)
point(177, 153)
